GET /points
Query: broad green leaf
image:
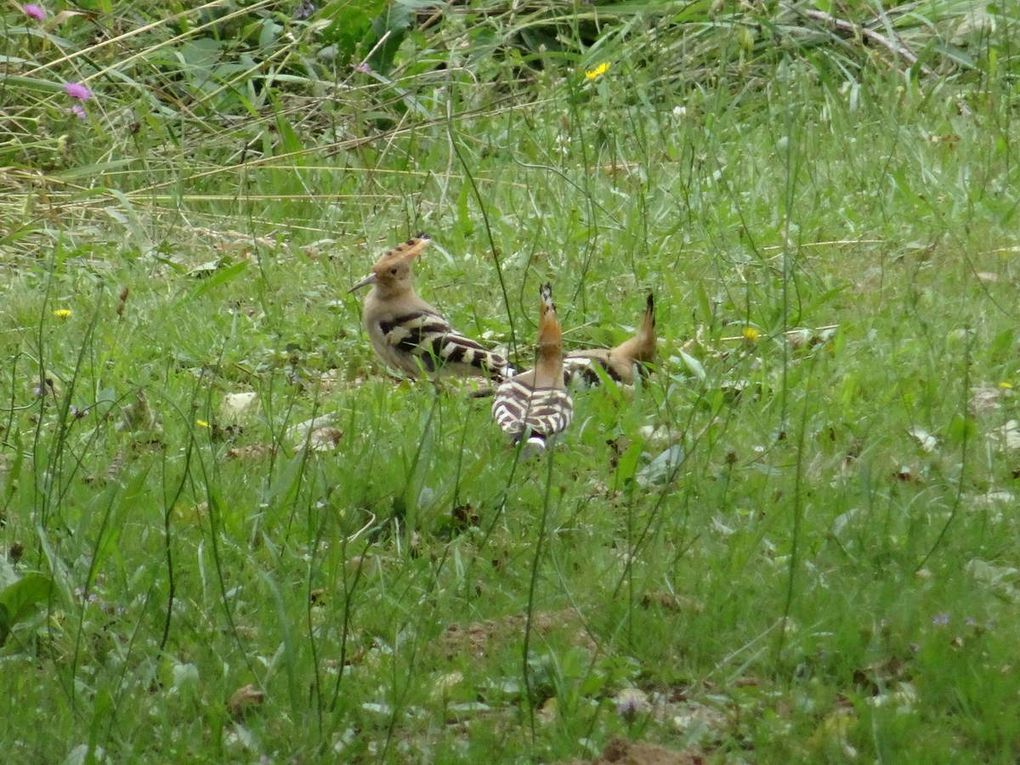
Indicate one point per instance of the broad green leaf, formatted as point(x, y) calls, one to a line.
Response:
point(395, 21)
point(627, 465)
point(17, 600)
point(693, 365)
point(218, 279)
point(351, 25)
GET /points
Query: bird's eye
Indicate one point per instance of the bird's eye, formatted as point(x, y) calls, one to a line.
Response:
point(393, 271)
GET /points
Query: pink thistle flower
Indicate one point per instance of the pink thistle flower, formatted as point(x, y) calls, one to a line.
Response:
point(77, 91)
point(34, 11)
point(78, 111)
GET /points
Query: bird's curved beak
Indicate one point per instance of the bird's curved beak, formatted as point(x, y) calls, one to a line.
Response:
point(370, 279)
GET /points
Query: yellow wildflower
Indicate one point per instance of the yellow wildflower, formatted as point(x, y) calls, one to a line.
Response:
point(62, 313)
point(594, 74)
point(751, 334)
point(202, 423)
point(1006, 385)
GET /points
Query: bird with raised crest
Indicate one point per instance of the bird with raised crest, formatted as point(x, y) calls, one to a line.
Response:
point(409, 334)
point(535, 405)
point(620, 362)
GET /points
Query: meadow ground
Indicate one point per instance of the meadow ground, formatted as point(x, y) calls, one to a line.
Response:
point(229, 535)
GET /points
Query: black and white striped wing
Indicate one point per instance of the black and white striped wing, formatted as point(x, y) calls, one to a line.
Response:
point(519, 408)
point(429, 337)
point(582, 369)
point(587, 369)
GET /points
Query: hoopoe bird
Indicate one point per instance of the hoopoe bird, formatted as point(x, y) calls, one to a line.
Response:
point(535, 404)
point(620, 362)
point(411, 335)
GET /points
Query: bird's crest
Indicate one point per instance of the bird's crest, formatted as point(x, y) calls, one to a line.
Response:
point(549, 333)
point(404, 252)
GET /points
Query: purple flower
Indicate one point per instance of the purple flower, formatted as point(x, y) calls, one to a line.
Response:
point(631, 702)
point(363, 68)
point(34, 11)
point(77, 90)
point(940, 620)
point(78, 111)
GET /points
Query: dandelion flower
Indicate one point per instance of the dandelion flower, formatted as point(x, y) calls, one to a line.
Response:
point(77, 91)
point(202, 423)
point(34, 11)
point(1006, 385)
point(594, 74)
point(751, 334)
point(62, 313)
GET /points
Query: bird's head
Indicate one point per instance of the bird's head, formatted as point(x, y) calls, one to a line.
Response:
point(550, 336)
point(392, 273)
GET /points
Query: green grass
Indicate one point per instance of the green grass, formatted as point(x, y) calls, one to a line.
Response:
point(829, 574)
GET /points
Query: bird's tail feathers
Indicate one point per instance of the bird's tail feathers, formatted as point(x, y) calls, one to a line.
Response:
point(648, 323)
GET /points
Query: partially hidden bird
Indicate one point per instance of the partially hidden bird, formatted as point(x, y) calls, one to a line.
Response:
point(535, 405)
point(620, 362)
point(409, 334)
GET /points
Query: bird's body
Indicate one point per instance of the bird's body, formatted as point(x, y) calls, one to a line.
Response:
point(409, 334)
point(520, 408)
point(618, 363)
point(535, 404)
